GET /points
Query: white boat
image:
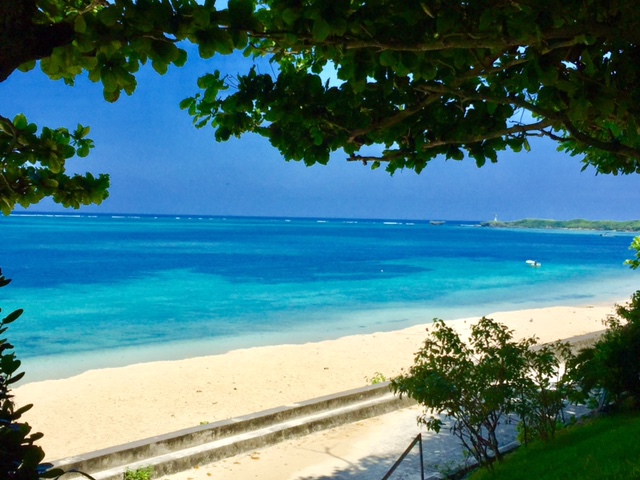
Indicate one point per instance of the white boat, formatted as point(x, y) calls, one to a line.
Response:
point(533, 263)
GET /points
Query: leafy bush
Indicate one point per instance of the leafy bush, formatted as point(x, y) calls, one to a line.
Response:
point(471, 383)
point(483, 382)
point(376, 378)
point(634, 263)
point(139, 474)
point(613, 363)
point(545, 386)
point(20, 458)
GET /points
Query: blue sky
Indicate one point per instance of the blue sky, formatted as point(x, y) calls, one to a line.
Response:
point(159, 163)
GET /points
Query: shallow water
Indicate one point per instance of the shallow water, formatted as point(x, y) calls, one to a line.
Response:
point(112, 290)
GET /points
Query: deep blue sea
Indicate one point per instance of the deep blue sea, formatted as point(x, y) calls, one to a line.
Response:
point(104, 291)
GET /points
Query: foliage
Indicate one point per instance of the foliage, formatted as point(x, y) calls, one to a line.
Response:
point(456, 378)
point(20, 458)
point(635, 262)
point(33, 166)
point(613, 363)
point(480, 383)
point(604, 447)
point(429, 78)
point(545, 387)
point(419, 78)
point(577, 224)
point(376, 378)
point(144, 473)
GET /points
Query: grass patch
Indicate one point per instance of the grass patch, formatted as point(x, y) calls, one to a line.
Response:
point(604, 448)
point(139, 474)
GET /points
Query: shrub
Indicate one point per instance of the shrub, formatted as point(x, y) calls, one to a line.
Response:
point(473, 383)
point(144, 473)
point(613, 363)
point(545, 386)
point(376, 378)
point(20, 458)
point(484, 382)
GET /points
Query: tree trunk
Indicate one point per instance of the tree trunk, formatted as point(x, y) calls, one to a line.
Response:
point(21, 40)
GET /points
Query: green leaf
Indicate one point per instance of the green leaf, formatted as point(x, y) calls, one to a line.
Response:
point(13, 316)
point(321, 30)
point(579, 109)
point(388, 58)
point(160, 66)
point(83, 151)
point(23, 409)
point(223, 134)
point(605, 105)
point(109, 16)
point(201, 17)
point(446, 21)
point(109, 80)
point(27, 66)
point(239, 39)
point(20, 121)
point(16, 378)
point(290, 15)
point(455, 153)
point(240, 12)
point(487, 20)
point(224, 43)
point(186, 103)
point(111, 96)
point(207, 50)
point(181, 59)
point(79, 25)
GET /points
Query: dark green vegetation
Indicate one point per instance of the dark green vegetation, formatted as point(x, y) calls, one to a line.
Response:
point(604, 448)
point(491, 379)
point(612, 365)
point(481, 383)
point(144, 473)
point(415, 78)
point(19, 457)
point(634, 263)
point(578, 224)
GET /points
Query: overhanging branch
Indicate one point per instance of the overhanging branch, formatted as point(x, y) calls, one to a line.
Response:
point(533, 129)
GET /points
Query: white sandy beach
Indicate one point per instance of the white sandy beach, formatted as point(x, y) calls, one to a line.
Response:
point(108, 407)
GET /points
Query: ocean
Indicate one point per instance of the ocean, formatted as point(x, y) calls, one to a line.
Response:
point(108, 290)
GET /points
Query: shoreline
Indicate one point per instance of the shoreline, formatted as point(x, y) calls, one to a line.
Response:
point(111, 406)
point(334, 326)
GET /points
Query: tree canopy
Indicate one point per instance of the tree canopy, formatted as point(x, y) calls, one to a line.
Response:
point(418, 78)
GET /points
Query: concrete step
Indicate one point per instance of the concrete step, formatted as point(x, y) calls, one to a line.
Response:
point(205, 444)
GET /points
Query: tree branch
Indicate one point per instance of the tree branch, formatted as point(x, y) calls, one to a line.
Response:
point(528, 129)
point(394, 120)
point(22, 41)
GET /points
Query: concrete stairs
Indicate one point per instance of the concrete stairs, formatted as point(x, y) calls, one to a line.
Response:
point(208, 443)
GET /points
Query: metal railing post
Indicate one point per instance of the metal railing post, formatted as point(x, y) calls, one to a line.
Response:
point(421, 457)
point(418, 439)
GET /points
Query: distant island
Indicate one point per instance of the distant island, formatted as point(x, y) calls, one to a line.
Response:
point(578, 224)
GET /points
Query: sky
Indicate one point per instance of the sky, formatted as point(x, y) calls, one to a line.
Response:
point(160, 164)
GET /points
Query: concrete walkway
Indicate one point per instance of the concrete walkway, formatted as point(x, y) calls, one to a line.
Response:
point(363, 450)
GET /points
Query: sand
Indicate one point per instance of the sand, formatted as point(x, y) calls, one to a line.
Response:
point(107, 407)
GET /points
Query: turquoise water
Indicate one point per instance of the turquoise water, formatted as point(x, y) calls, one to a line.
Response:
point(105, 291)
